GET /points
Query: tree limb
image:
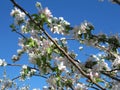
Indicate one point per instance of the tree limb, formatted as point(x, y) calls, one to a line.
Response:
point(55, 43)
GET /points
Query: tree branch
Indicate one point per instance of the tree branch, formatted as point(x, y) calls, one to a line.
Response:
point(22, 65)
point(55, 43)
point(16, 78)
point(20, 34)
point(14, 65)
point(115, 78)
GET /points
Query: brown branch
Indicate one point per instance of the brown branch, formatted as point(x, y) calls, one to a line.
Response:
point(15, 4)
point(106, 50)
point(22, 65)
point(40, 76)
point(115, 78)
point(34, 75)
point(55, 43)
point(20, 34)
point(116, 69)
point(14, 65)
point(16, 78)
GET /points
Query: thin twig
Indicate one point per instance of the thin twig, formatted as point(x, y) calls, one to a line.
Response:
point(117, 79)
point(106, 50)
point(40, 76)
point(14, 65)
point(16, 78)
point(116, 69)
point(20, 34)
point(22, 65)
point(34, 75)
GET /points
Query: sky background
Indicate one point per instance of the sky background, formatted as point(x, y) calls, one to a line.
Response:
point(103, 15)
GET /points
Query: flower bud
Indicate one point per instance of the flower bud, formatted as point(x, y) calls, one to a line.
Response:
point(38, 4)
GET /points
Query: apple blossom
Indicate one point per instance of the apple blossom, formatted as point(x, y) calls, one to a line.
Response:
point(80, 87)
point(80, 48)
point(19, 16)
point(45, 88)
point(3, 62)
point(61, 66)
point(38, 4)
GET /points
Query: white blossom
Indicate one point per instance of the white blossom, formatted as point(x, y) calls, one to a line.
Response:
point(24, 66)
point(59, 25)
point(32, 71)
point(61, 66)
point(38, 4)
point(52, 81)
point(35, 89)
point(19, 51)
point(24, 29)
point(32, 57)
point(47, 12)
point(80, 86)
point(21, 42)
point(3, 62)
point(18, 14)
point(80, 48)
point(116, 62)
point(64, 41)
point(25, 88)
point(15, 58)
point(45, 88)
point(63, 38)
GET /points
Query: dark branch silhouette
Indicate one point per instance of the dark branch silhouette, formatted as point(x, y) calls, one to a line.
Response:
point(116, 1)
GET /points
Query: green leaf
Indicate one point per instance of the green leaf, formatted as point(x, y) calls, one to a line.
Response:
point(44, 58)
point(12, 26)
point(56, 51)
point(38, 62)
point(98, 80)
point(58, 81)
point(31, 42)
point(68, 82)
point(49, 50)
point(42, 16)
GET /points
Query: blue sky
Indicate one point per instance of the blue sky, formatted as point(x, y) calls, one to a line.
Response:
point(104, 16)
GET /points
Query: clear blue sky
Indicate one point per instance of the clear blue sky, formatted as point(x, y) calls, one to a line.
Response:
point(104, 16)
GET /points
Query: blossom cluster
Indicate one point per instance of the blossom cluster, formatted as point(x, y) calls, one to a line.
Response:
point(5, 84)
point(56, 25)
point(101, 64)
point(116, 62)
point(26, 72)
point(83, 29)
point(50, 58)
point(80, 86)
point(18, 15)
point(59, 25)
